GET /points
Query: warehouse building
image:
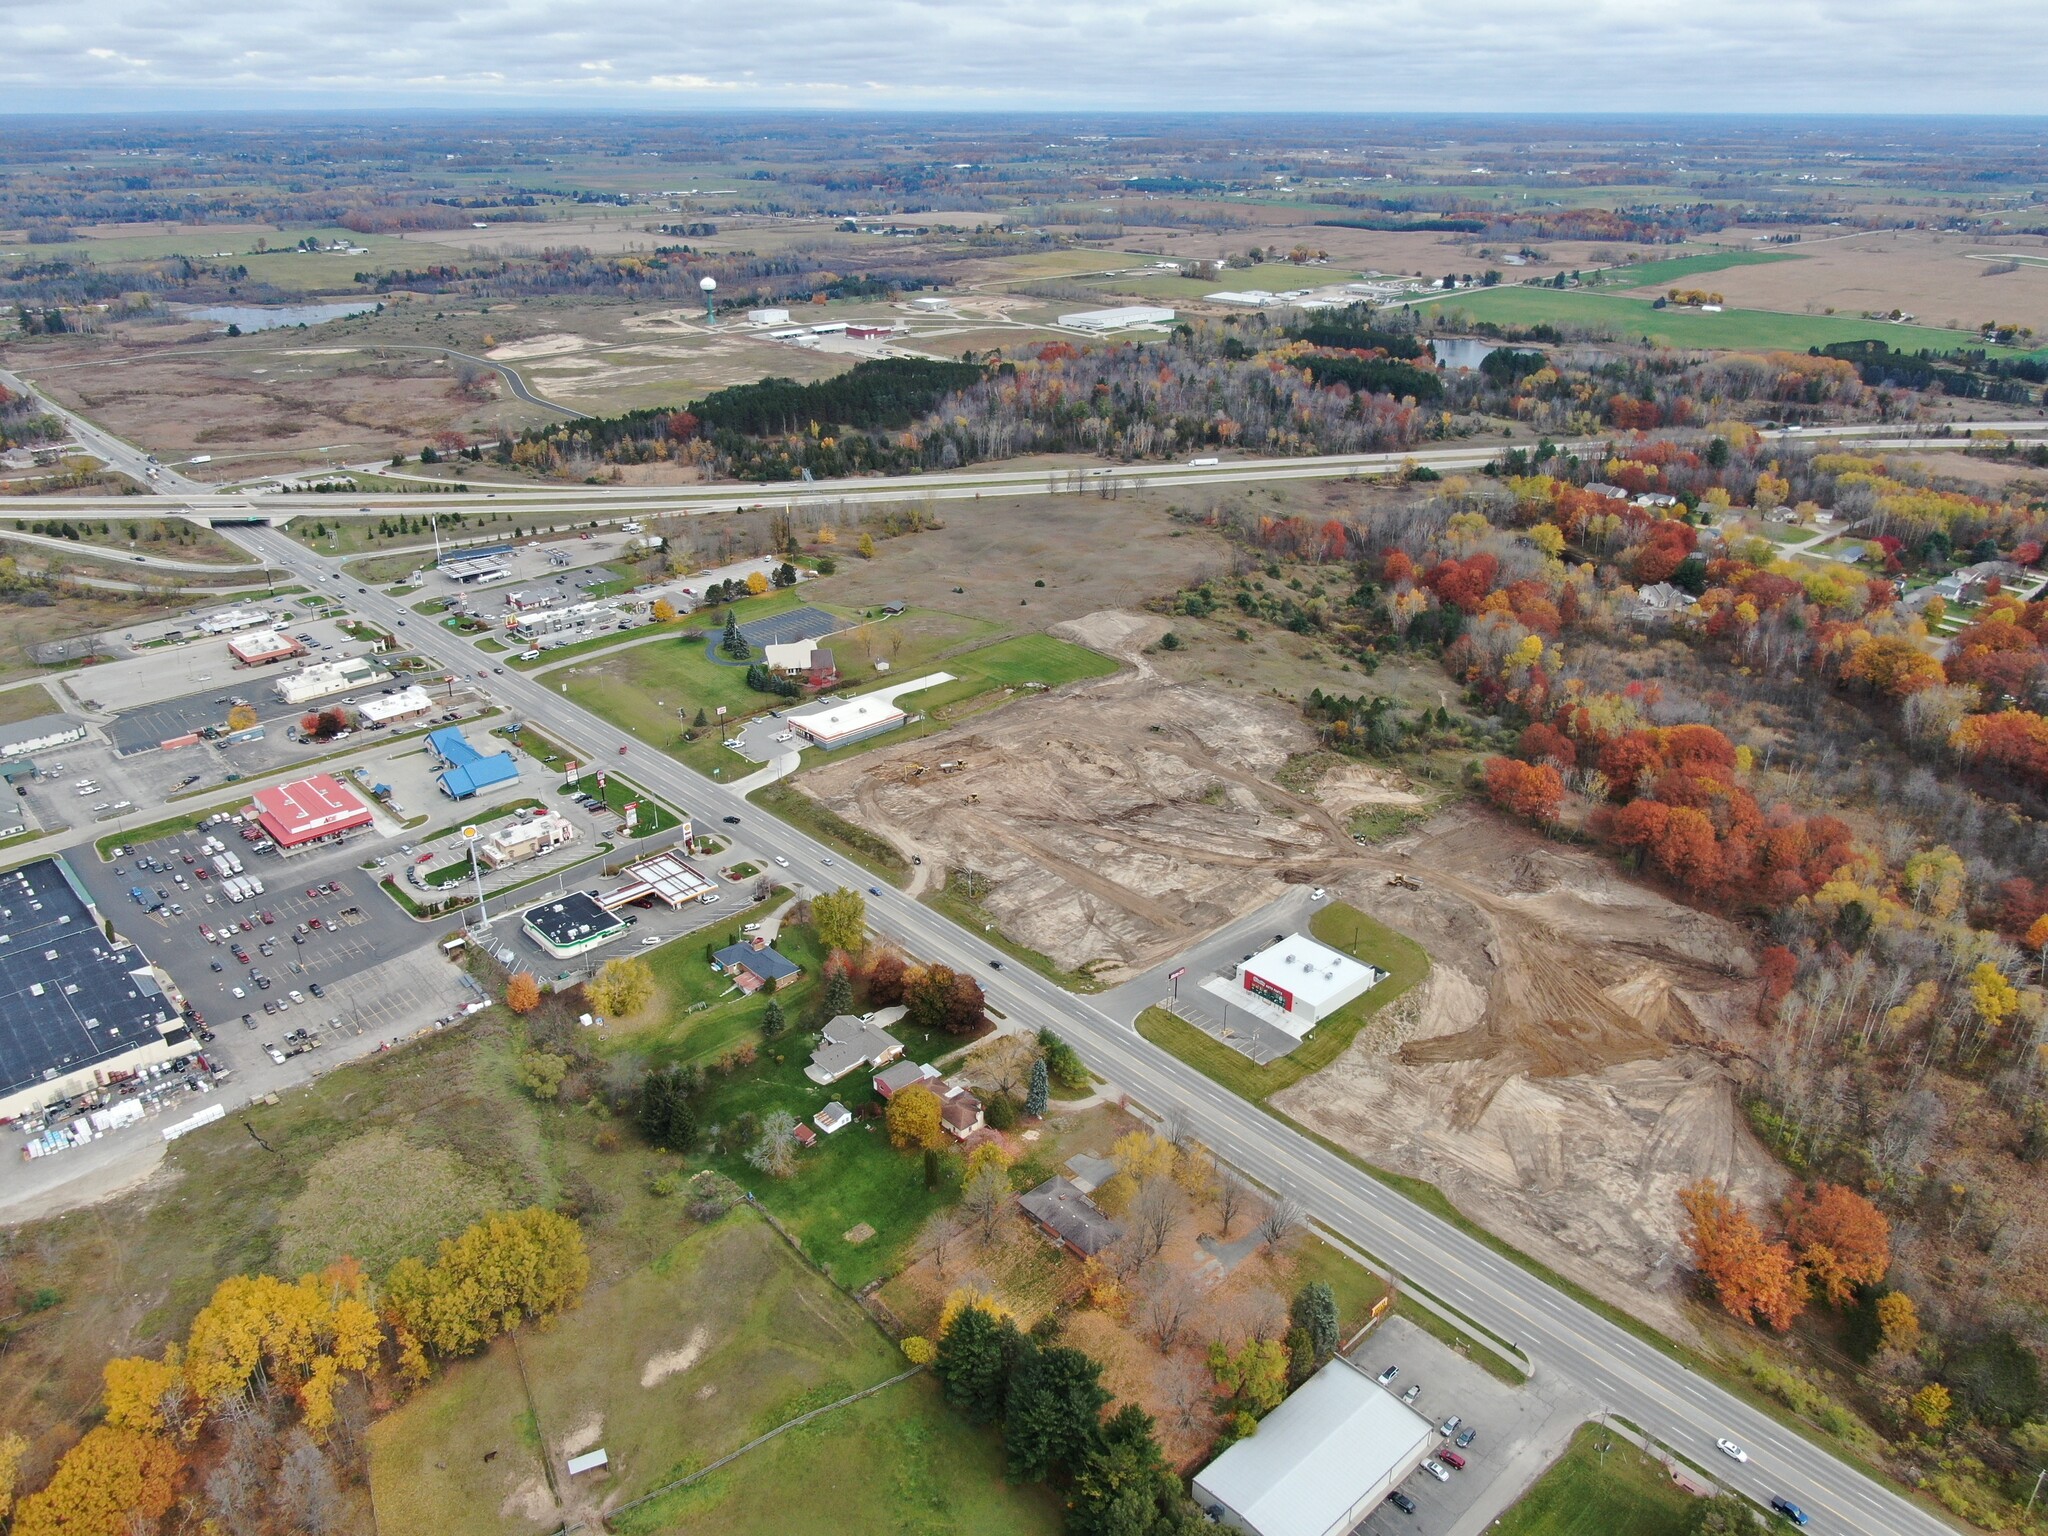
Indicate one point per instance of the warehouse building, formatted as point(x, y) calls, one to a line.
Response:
point(1302, 982)
point(848, 720)
point(572, 925)
point(327, 678)
point(1121, 318)
point(1321, 1462)
point(310, 811)
point(259, 648)
point(76, 1009)
point(767, 317)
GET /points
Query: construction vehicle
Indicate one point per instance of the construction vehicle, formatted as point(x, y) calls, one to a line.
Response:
point(1405, 882)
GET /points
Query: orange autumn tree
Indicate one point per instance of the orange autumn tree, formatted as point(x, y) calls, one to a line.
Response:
point(107, 1484)
point(1754, 1280)
point(1532, 790)
point(1842, 1240)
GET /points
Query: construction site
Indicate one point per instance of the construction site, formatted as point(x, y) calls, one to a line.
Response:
point(1571, 1061)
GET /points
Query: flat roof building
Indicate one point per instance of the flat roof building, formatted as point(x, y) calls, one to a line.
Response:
point(539, 622)
point(1320, 1462)
point(261, 647)
point(228, 620)
point(1305, 982)
point(1121, 318)
point(540, 833)
point(665, 877)
point(572, 925)
point(74, 1006)
point(325, 679)
point(409, 703)
point(310, 810)
point(842, 721)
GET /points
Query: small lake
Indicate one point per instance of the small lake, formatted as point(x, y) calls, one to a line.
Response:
point(1460, 351)
point(270, 317)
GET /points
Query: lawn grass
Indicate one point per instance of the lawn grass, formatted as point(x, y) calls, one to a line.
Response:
point(1341, 927)
point(875, 854)
point(1656, 274)
point(767, 1335)
point(899, 1461)
point(652, 817)
point(1626, 1492)
point(30, 702)
point(1357, 1289)
point(1754, 329)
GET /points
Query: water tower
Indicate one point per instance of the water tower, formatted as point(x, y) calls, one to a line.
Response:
point(710, 287)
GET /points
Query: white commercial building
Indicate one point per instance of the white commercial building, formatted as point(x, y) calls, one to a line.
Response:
point(847, 720)
point(1304, 982)
point(665, 877)
point(767, 317)
point(261, 647)
point(543, 831)
point(1320, 1462)
point(411, 702)
point(1119, 319)
point(553, 621)
point(328, 678)
point(229, 620)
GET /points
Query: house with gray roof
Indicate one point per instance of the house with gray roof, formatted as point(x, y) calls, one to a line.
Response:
point(848, 1043)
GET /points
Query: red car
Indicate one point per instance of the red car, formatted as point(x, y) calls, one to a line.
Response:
point(312, 893)
point(268, 919)
point(314, 922)
point(1451, 1459)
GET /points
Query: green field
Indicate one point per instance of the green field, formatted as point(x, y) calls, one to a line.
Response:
point(1658, 274)
point(1341, 927)
point(28, 702)
point(875, 854)
point(1625, 1493)
point(730, 1307)
point(1734, 329)
point(900, 1461)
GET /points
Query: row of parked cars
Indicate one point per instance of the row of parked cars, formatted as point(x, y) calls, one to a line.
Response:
point(1456, 1434)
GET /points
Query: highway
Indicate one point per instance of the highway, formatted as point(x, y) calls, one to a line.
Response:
point(1629, 1377)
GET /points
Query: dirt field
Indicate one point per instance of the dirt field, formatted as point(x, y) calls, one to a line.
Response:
point(1564, 1071)
point(1941, 279)
point(1114, 821)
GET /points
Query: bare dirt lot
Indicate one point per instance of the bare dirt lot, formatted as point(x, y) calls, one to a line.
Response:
point(1565, 1070)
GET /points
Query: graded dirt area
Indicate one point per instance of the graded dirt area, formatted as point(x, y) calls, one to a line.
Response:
point(1566, 1068)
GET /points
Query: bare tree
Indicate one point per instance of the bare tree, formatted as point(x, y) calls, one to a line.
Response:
point(1175, 1126)
point(1168, 1302)
point(983, 1201)
point(1232, 1193)
point(307, 1494)
point(1262, 1315)
point(234, 1486)
point(1283, 1213)
point(1155, 1212)
point(1188, 1392)
point(944, 1231)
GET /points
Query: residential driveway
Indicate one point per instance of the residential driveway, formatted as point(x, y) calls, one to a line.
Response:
point(1521, 1430)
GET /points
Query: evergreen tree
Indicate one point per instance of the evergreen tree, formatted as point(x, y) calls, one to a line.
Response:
point(702, 719)
point(734, 644)
point(1124, 1487)
point(772, 1022)
point(838, 995)
point(1052, 1412)
point(1314, 1311)
point(974, 1362)
point(668, 1116)
point(1040, 1092)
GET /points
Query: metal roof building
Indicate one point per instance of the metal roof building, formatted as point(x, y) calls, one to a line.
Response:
point(1303, 982)
point(1321, 1462)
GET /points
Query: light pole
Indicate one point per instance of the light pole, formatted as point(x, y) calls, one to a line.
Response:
point(470, 835)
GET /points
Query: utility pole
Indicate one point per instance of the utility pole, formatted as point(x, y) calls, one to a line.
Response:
point(2035, 1494)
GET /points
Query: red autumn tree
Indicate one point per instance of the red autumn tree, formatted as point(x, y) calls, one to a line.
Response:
point(885, 979)
point(1842, 1240)
point(1778, 968)
point(1531, 790)
point(1631, 757)
point(1754, 1280)
point(1684, 848)
point(1546, 743)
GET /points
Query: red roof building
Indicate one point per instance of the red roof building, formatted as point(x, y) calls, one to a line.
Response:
point(308, 810)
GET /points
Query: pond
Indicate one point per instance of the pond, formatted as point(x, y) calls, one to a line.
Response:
point(1460, 351)
point(270, 317)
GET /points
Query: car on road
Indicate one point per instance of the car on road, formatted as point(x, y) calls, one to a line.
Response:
point(1449, 1427)
point(1466, 1436)
point(1414, 1391)
point(1402, 1502)
point(874, 890)
point(995, 965)
point(1789, 1510)
point(1386, 1377)
point(1437, 1470)
point(1730, 1449)
point(779, 859)
point(828, 858)
point(1451, 1459)
point(730, 821)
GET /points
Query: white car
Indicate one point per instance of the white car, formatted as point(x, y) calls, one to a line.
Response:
point(1731, 1449)
point(238, 992)
point(710, 899)
point(782, 861)
point(1437, 1470)
point(1317, 894)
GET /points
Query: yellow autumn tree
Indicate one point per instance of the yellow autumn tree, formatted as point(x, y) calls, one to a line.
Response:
point(12, 1448)
point(664, 611)
point(106, 1482)
point(1992, 995)
point(1898, 1321)
point(1143, 1155)
point(512, 1267)
point(1931, 1405)
point(913, 1118)
point(137, 1390)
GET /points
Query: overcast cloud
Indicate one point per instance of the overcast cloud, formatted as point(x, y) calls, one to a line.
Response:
point(1791, 56)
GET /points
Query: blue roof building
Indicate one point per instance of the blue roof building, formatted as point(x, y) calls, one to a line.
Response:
point(751, 967)
point(466, 771)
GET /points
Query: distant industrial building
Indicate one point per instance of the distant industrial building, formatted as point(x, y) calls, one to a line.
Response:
point(1303, 982)
point(261, 647)
point(228, 620)
point(76, 1009)
point(572, 925)
point(408, 704)
point(767, 317)
point(1321, 1462)
point(848, 720)
point(318, 809)
point(466, 772)
point(931, 304)
point(1121, 318)
point(325, 679)
point(872, 332)
point(542, 832)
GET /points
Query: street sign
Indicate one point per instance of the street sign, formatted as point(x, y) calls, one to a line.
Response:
point(471, 833)
point(1175, 975)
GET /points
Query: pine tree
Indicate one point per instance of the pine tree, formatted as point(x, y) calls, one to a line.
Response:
point(668, 1116)
point(1315, 1312)
point(772, 1022)
point(1040, 1091)
point(734, 644)
point(973, 1363)
point(838, 995)
point(1052, 1412)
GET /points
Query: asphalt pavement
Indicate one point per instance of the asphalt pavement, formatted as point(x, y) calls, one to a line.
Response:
point(1625, 1374)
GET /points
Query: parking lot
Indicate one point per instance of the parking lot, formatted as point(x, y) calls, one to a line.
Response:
point(1516, 1432)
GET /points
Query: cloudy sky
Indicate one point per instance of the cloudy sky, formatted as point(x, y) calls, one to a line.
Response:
point(1793, 56)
